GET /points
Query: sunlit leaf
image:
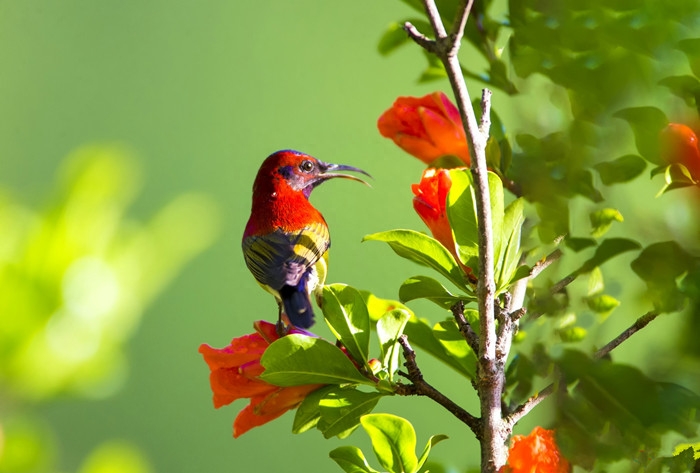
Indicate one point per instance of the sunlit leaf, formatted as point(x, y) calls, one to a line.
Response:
point(453, 341)
point(602, 220)
point(389, 328)
point(351, 460)
point(393, 440)
point(423, 287)
point(432, 441)
point(341, 409)
point(308, 413)
point(424, 250)
point(298, 359)
point(346, 314)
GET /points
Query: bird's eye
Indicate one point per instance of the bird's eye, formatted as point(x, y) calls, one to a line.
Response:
point(306, 166)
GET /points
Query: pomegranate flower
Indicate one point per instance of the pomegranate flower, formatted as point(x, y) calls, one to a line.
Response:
point(235, 372)
point(426, 127)
point(430, 202)
point(535, 453)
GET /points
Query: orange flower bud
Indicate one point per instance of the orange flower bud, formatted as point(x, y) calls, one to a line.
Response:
point(430, 202)
point(426, 127)
point(535, 453)
point(235, 371)
point(679, 144)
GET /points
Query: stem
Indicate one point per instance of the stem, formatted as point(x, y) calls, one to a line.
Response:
point(421, 388)
point(490, 369)
point(523, 409)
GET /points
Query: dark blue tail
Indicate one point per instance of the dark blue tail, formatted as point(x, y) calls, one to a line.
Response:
point(297, 305)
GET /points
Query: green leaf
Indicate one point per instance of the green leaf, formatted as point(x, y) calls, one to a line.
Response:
point(602, 303)
point(419, 330)
point(615, 410)
point(622, 169)
point(452, 340)
point(432, 441)
point(595, 282)
point(341, 410)
point(348, 318)
point(554, 219)
point(351, 460)
point(659, 265)
point(308, 413)
point(423, 287)
point(646, 123)
point(393, 440)
point(602, 220)
point(691, 48)
point(389, 328)
point(609, 248)
point(298, 359)
point(424, 250)
point(685, 87)
point(509, 257)
point(676, 176)
point(461, 212)
point(572, 334)
point(578, 244)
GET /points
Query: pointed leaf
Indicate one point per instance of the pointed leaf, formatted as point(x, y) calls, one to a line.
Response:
point(461, 211)
point(622, 169)
point(389, 328)
point(419, 330)
point(432, 441)
point(308, 413)
point(351, 460)
point(507, 261)
point(393, 440)
point(452, 340)
point(341, 410)
point(298, 359)
point(424, 250)
point(602, 220)
point(423, 287)
point(608, 249)
point(348, 318)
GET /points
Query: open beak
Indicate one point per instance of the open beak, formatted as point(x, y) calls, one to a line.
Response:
point(329, 171)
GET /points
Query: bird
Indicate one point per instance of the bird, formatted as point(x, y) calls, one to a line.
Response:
point(286, 240)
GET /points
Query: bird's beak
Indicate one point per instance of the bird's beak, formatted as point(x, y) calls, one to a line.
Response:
point(329, 171)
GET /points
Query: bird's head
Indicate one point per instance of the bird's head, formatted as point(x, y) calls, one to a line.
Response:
point(301, 172)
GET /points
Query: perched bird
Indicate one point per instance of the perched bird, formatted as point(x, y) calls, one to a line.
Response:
point(286, 240)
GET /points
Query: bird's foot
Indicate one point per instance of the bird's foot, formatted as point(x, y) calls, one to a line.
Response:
point(282, 329)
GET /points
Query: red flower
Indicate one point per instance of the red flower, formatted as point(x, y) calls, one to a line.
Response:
point(679, 144)
point(430, 202)
point(427, 127)
point(535, 453)
point(235, 372)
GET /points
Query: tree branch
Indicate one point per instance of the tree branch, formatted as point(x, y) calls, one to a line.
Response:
point(524, 408)
point(465, 327)
point(490, 379)
point(639, 324)
point(420, 387)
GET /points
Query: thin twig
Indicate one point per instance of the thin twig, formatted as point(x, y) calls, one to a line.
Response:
point(465, 327)
point(639, 324)
point(544, 263)
point(422, 40)
point(524, 408)
point(420, 387)
point(458, 26)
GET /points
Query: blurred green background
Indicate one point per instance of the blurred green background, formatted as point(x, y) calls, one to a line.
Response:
point(171, 106)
